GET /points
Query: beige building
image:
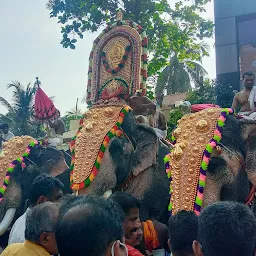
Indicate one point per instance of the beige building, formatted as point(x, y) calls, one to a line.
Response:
point(169, 102)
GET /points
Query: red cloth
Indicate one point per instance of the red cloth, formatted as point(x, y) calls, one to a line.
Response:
point(199, 107)
point(132, 251)
point(44, 109)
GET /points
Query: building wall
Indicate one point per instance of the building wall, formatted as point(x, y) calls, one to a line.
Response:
point(231, 19)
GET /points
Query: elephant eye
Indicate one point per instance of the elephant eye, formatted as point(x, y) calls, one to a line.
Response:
point(146, 145)
point(215, 164)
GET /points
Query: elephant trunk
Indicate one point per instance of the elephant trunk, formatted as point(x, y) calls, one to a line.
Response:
point(7, 220)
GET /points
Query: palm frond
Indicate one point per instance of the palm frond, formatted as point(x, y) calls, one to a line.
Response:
point(73, 111)
point(162, 81)
point(196, 71)
point(5, 119)
point(6, 104)
point(18, 88)
point(205, 47)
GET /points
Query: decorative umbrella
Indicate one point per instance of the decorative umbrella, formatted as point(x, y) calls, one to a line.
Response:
point(44, 109)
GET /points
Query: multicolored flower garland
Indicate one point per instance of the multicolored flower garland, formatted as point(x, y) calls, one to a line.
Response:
point(118, 79)
point(115, 131)
point(144, 55)
point(213, 143)
point(20, 160)
point(119, 66)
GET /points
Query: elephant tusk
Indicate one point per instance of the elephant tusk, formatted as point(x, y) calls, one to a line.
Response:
point(107, 194)
point(7, 220)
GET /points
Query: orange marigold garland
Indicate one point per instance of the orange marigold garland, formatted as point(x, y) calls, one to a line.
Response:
point(150, 236)
point(115, 131)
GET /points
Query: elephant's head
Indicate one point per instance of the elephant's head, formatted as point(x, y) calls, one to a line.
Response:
point(211, 161)
point(131, 162)
point(232, 173)
point(125, 156)
point(21, 172)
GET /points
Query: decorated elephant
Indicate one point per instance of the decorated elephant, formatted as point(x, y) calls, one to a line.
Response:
point(213, 159)
point(111, 151)
point(22, 159)
point(132, 162)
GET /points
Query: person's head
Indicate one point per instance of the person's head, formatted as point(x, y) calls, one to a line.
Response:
point(131, 208)
point(45, 188)
point(41, 224)
point(182, 232)
point(49, 160)
point(5, 128)
point(248, 79)
point(89, 225)
point(135, 235)
point(226, 228)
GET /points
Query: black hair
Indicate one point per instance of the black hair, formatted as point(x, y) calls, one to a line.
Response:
point(43, 185)
point(183, 229)
point(227, 228)
point(248, 73)
point(125, 201)
point(88, 225)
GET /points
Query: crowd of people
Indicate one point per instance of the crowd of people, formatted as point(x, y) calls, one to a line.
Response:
point(65, 225)
point(91, 225)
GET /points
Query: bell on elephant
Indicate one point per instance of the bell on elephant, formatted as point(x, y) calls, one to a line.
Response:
point(177, 152)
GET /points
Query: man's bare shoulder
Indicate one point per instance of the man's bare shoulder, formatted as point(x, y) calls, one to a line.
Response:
point(240, 95)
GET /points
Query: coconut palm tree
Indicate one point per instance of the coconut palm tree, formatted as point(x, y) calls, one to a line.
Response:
point(179, 76)
point(20, 109)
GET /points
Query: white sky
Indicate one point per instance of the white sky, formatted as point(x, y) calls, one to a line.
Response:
point(30, 46)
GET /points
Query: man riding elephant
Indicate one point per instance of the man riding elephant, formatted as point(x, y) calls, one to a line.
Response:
point(56, 132)
point(146, 112)
point(246, 99)
point(141, 105)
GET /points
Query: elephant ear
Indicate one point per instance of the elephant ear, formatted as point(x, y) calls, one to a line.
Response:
point(248, 129)
point(248, 133)
point(145, 154)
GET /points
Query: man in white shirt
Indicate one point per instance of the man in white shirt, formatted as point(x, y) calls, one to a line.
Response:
point(44, 188)
point(7, 135)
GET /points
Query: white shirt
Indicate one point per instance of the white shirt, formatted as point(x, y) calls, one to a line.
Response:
point(8, 136)
point(17, 234)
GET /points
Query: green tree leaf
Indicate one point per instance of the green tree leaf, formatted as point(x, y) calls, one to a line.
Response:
point(178, 30)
